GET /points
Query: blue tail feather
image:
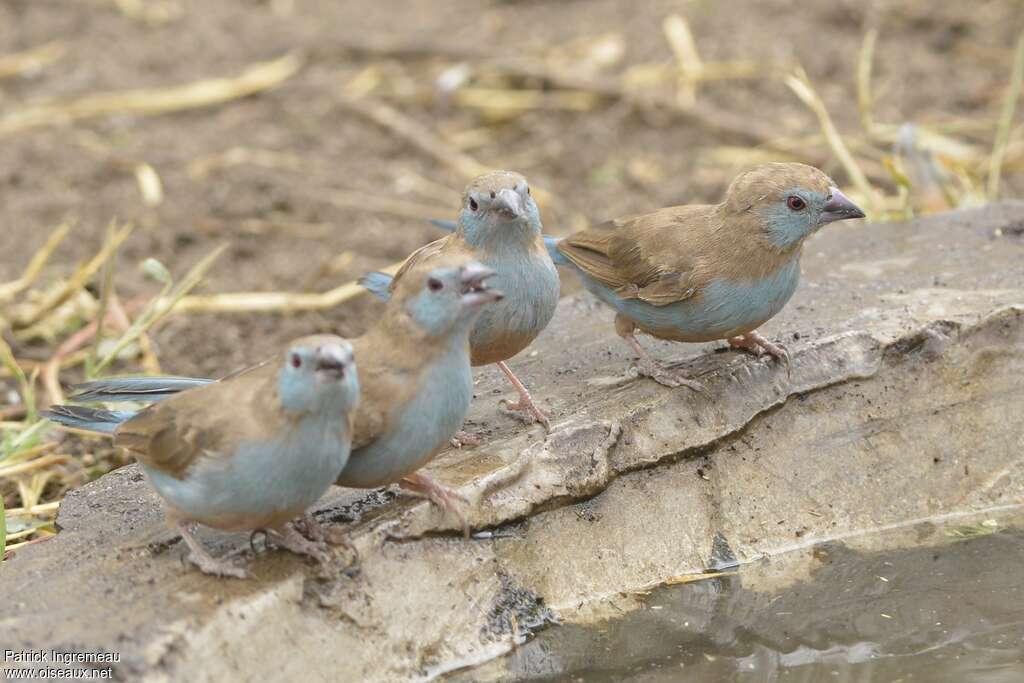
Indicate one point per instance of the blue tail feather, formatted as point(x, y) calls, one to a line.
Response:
point(552, 245)
point(443, 224)
point(378, 284)
point(89, 419)
point(144, 389)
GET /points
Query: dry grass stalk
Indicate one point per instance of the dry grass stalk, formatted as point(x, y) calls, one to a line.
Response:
point(864, 63)
point(114, 240)
point(523, 100)
point(800, 84)
point(701, 113)
point(1006, 120)
point(9, 290)
point(690, 65)
point(205, 93)
point(267, 302)
point(21, 63)
point(37, 463)
point(417, 135)
point(159, 308)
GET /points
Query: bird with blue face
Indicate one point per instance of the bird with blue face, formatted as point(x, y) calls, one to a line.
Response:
point(414, 373)
point(499, 225)
point(253, 451)
point(699, 273)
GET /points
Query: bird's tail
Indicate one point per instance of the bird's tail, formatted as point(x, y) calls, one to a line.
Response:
point(558, 257)
point(443, 224)
point(89, 419)
point(142, 389)
point(378, 284)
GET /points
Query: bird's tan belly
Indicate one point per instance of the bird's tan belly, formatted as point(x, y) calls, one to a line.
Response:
point(503, 347)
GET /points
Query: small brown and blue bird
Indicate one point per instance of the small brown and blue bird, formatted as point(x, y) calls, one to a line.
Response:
point(253, 451)
point(499, 225)
point(415, 378)
point(699, 273)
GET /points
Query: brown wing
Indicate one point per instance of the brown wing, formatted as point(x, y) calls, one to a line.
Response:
point(387, 378)
point(425, 252)
point(648, 257)
point(207, 421)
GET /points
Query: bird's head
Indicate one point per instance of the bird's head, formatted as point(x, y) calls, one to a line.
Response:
point(446, 295)
point(791, 200)
point(498, 206)
point(318, 375)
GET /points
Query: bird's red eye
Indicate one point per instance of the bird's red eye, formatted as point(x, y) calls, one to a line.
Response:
point(296, 360)
point(796, 203)
point(493, 195)
point(435, 285)
point(473, 205)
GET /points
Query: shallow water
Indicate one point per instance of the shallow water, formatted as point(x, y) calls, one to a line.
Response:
point(948, 611)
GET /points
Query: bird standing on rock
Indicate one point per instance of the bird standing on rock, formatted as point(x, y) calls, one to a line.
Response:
point(251, 452)
point(499, 225)
point(698, 273)
point(414, 372)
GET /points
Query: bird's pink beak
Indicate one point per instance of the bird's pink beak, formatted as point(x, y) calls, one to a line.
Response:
point(332, 360)
point(474, 285)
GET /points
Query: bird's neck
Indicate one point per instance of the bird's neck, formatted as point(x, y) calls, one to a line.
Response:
point(742, 236)
point(500, 238)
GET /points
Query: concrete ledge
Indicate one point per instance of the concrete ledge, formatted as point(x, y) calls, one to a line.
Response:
point(903, 403)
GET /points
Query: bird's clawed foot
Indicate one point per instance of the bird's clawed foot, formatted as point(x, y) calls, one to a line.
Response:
point(649, 367)
point(291, 540)
point(449, 500)
point(524, 409)
point(205, 562)
point(757, 344)
point(331, 535)
point(463, 439)
point(667, 377)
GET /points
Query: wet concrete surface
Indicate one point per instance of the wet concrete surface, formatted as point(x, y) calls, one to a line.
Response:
point(902, 404)
point(948, 610)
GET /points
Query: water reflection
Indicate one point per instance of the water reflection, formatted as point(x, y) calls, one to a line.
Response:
point(952, 612)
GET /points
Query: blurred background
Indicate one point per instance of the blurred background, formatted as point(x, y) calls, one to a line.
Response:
point(314, 139)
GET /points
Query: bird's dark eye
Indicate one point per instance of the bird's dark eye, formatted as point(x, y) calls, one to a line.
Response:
point(492, 194)
point(527, 189)
point(296, 361)
point(435, 285)
point(796, 203)
point(473, 205)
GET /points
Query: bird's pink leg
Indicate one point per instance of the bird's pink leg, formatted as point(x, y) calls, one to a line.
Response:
point(525, 403)
point(650, 367)
point(206, 563)
point(445, 498)
point(757, 344)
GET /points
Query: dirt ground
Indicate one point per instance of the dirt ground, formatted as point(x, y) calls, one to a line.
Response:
point(294, 178)
point(934, 62)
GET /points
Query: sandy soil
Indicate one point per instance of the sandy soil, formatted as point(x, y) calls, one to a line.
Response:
point(934, 62)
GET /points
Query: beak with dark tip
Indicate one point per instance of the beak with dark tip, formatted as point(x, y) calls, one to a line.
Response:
point(508, 204)
point(332, 360)
point(839, 208)
point(474, 285)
